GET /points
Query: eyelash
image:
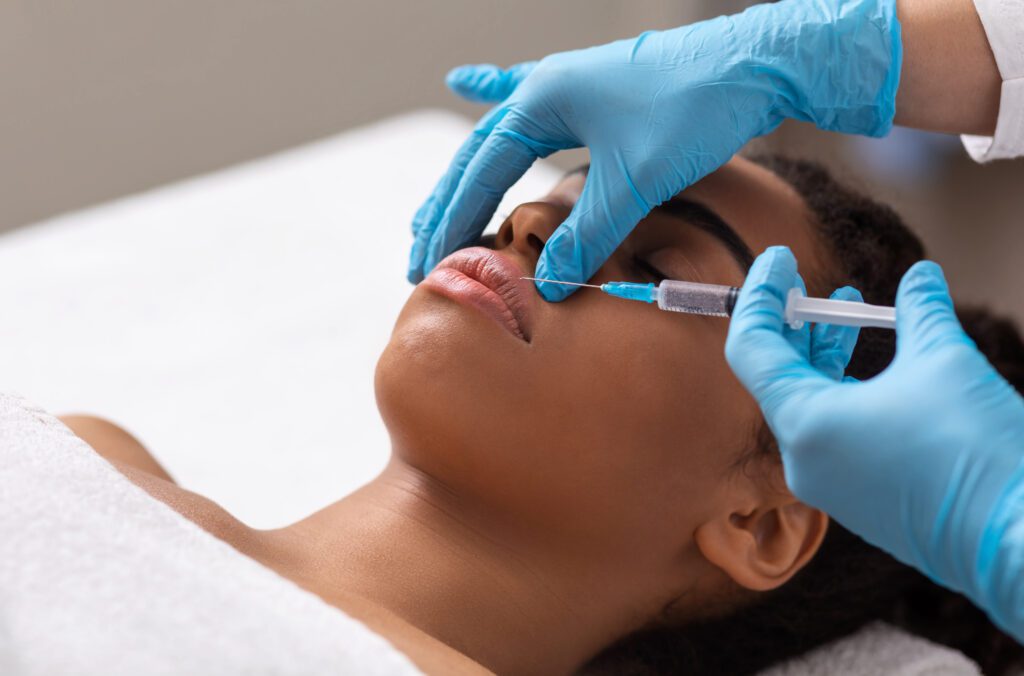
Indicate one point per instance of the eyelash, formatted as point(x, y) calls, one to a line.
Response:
point(648, 269)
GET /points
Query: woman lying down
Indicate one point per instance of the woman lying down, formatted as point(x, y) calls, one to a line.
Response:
point(584, 486)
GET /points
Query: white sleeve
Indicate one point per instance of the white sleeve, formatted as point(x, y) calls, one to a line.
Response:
point(1004, 25)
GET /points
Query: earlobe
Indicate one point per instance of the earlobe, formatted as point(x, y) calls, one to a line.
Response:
point(763, 546)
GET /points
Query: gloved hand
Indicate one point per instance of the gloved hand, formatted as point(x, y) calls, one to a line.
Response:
point(658, 112)
point(925, 460)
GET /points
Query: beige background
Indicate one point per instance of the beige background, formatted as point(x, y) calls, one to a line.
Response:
point(109, 97)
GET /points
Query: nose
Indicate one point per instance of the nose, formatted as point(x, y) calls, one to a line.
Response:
point(528, 228)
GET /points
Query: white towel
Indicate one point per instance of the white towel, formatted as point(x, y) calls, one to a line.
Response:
point(96, 577)
point(878, 649)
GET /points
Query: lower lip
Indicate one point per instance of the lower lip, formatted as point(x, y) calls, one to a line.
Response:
point(468, 291)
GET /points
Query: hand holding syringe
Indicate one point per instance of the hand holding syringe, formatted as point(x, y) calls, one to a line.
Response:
point(718, 301)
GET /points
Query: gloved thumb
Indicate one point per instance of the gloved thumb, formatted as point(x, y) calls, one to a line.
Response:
point(487, 83)
point(771, 367)
point(604, 215)
point(925, 319)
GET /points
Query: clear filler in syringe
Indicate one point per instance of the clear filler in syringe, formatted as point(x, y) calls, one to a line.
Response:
point(717, 300)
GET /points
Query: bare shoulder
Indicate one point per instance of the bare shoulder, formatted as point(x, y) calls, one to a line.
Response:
point(132, 459)
point(114, 443)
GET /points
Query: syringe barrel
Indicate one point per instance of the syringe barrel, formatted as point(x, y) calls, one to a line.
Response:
point(699, 299)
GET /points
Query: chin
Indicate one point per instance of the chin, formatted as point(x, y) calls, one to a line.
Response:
point(461, 404)
point(439, 382)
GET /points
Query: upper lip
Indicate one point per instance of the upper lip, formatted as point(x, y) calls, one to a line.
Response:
point(498, 273)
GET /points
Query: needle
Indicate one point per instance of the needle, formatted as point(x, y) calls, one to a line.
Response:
point(555, 281)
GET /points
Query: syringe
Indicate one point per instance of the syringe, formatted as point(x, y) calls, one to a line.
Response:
point(718, 301)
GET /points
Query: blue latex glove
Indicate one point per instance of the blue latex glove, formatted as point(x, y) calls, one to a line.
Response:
point(926, 460)
point(658, 112)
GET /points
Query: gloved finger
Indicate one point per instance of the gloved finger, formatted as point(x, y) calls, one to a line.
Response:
point(487, 83)
point(831, 344)
point(421, 232)
point(429, 215)
point(501, 160)
point(769, 366)
point(604, 215)
point(925, 319)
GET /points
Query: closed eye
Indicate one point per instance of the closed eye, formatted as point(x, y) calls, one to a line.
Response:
point(648, 270)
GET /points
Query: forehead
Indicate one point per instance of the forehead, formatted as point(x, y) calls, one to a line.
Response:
point(762, 208)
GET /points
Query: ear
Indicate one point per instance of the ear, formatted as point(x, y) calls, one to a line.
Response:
point(762, 545)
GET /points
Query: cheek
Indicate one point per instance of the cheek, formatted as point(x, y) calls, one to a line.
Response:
point(663, 411)
point(641, 421)
point(615, 412)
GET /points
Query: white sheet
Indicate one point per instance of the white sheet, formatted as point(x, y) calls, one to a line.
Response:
point(232, 322)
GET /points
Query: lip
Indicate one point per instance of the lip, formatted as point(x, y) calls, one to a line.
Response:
point(489, 282)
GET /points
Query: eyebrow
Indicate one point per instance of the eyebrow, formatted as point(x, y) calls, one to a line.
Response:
point(702, 217)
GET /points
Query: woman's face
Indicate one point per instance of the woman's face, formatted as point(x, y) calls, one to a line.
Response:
point(608, 425)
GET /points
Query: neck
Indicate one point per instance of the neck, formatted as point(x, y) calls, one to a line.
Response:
point(412, 548)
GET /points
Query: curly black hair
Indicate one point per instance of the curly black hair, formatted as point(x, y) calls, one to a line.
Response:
point(849, 582)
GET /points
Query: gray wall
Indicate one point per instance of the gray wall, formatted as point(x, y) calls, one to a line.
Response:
point(109, 97)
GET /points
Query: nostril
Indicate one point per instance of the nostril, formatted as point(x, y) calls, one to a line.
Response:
point(535, 243)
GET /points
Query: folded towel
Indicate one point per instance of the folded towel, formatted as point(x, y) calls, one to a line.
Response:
point(878, 649)
point(96, 577)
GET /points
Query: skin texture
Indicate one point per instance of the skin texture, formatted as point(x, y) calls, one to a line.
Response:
point(949, 81)
point(547, 498)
